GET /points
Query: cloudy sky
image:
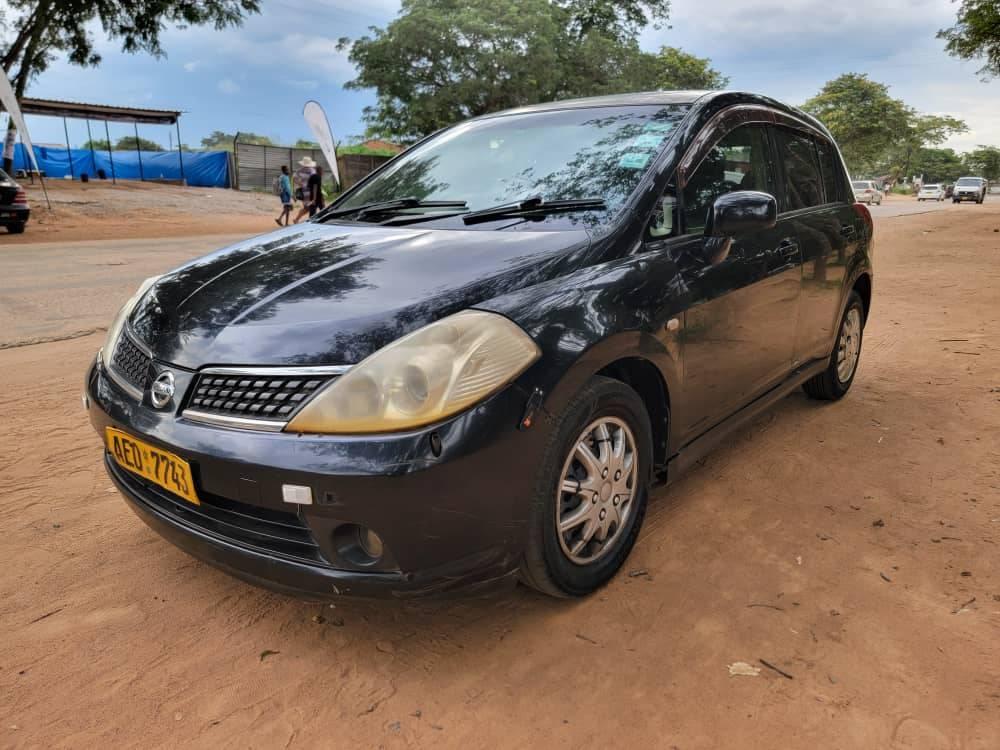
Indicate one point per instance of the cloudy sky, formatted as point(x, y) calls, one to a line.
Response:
point(257, 78)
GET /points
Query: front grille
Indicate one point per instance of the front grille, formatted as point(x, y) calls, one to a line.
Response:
point(131, 362)
point(265, 529)
point(273, 397)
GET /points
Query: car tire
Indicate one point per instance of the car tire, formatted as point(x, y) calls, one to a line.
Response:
point(548, 564)
point(17, 228)
point(834, 382)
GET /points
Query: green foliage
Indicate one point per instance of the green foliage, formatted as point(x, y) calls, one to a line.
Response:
point(97, 145)
point(938, 164)
point(676, 69)
point(877, 134)
point(365, 150)
point(984, 161)
point(302, 143)
point(220, 141)
point(442, 61)
point(128, 143)
point(862, 117)
point(976, 35)
point(34, 32)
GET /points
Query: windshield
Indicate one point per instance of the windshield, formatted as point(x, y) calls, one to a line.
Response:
point(968, 181)
point(564, 154)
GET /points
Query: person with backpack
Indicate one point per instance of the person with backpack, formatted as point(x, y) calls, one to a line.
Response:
point(285, 194)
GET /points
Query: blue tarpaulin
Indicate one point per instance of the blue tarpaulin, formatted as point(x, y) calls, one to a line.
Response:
point(201, 168)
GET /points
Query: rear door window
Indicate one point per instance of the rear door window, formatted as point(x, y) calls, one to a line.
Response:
point(833, 173)
point(803, 179)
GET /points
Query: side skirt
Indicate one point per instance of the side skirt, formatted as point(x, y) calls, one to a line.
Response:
point(698, 448)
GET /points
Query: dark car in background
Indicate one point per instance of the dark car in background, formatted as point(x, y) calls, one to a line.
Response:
point(969, 189)
point(473, 366)
point(14, 211)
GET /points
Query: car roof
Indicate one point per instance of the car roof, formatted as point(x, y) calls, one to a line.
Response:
point(613, 100)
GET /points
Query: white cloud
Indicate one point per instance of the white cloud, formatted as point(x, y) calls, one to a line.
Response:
point(307, 54)
point(191, 67)
point(229, 86)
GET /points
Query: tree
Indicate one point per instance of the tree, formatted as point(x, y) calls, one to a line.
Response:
point(220, 141)
point(441, 61)
point(303, 143)
point(937, 164)
point(97, 145)
point(976, 35)
point(34, 32)
point(862, 117)
point(129, 142)
point(922, 131)
point(984, 161)
point(676, 69)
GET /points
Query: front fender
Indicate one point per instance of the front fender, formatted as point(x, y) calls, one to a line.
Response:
point(598, 315)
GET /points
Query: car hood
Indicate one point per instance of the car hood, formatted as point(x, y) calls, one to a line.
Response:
point(335, 293)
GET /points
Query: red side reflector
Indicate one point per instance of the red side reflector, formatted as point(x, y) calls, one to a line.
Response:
point(862, 210)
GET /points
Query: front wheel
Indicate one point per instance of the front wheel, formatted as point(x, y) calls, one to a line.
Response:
point(590, 492)
point(834, 382)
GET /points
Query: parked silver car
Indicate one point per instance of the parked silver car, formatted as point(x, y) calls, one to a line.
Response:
point(969, 189)
point(866, 191)
point(933, 192)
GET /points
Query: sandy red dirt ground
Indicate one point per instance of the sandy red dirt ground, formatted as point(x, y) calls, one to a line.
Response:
point(854, 546)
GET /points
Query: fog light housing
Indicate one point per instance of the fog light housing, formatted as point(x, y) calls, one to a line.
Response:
point(370, 543)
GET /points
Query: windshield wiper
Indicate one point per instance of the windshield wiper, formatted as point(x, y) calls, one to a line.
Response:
point(381, 207)
point(534, 206)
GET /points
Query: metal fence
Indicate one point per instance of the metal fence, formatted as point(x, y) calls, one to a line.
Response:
point(257, 166)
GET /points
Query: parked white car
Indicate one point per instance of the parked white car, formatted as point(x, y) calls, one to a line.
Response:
point(865, 191)
point(931, 193)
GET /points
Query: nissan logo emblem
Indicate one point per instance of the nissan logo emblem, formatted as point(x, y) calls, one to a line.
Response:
point(162, 389)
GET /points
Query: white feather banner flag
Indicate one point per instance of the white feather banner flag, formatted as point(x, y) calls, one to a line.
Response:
point(320, 126)
point(10, 104)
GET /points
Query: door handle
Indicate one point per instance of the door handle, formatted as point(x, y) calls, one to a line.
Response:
point(847, 230)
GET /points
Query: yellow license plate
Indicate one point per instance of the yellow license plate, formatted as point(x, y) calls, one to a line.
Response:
point(161, 467)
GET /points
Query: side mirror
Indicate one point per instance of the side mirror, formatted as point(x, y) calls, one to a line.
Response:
point(741, 212)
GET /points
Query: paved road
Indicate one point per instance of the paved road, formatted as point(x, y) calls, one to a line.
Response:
point(907, 206)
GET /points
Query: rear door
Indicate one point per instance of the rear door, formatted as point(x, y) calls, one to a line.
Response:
point(817, 204)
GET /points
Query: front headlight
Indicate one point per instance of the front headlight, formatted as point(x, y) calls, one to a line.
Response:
point(422, 378)
point(115, 329)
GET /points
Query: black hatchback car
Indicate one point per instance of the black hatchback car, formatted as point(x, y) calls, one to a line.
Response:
point(471, 368)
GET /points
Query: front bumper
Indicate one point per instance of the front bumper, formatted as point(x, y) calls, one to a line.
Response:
point(450, 522)
point(965, 196)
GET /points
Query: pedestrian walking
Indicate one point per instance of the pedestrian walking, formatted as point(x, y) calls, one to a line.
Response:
point(307, 168)
point(317, 201)
point(285, 194)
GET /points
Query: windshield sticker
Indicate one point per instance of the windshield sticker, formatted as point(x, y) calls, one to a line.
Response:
point(633, 160)
point(648, 140)
point(655, 126)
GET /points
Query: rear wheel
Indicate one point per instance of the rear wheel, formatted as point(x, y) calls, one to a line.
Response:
point(17, 228)
point(590, 493)
point(834, 382)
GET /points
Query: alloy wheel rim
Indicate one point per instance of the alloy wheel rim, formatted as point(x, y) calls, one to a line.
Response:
point(596, 490)
point(849, 345)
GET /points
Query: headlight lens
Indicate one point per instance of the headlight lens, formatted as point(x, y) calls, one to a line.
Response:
point(428, 375)
point(115, 329)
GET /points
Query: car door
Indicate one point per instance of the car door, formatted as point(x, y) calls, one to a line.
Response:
point(739, 326)
point(814, 204)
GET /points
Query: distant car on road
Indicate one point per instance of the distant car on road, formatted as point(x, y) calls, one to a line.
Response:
point(931, 193)
point(969, 189)
point(14, 211)
point(866, 191)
